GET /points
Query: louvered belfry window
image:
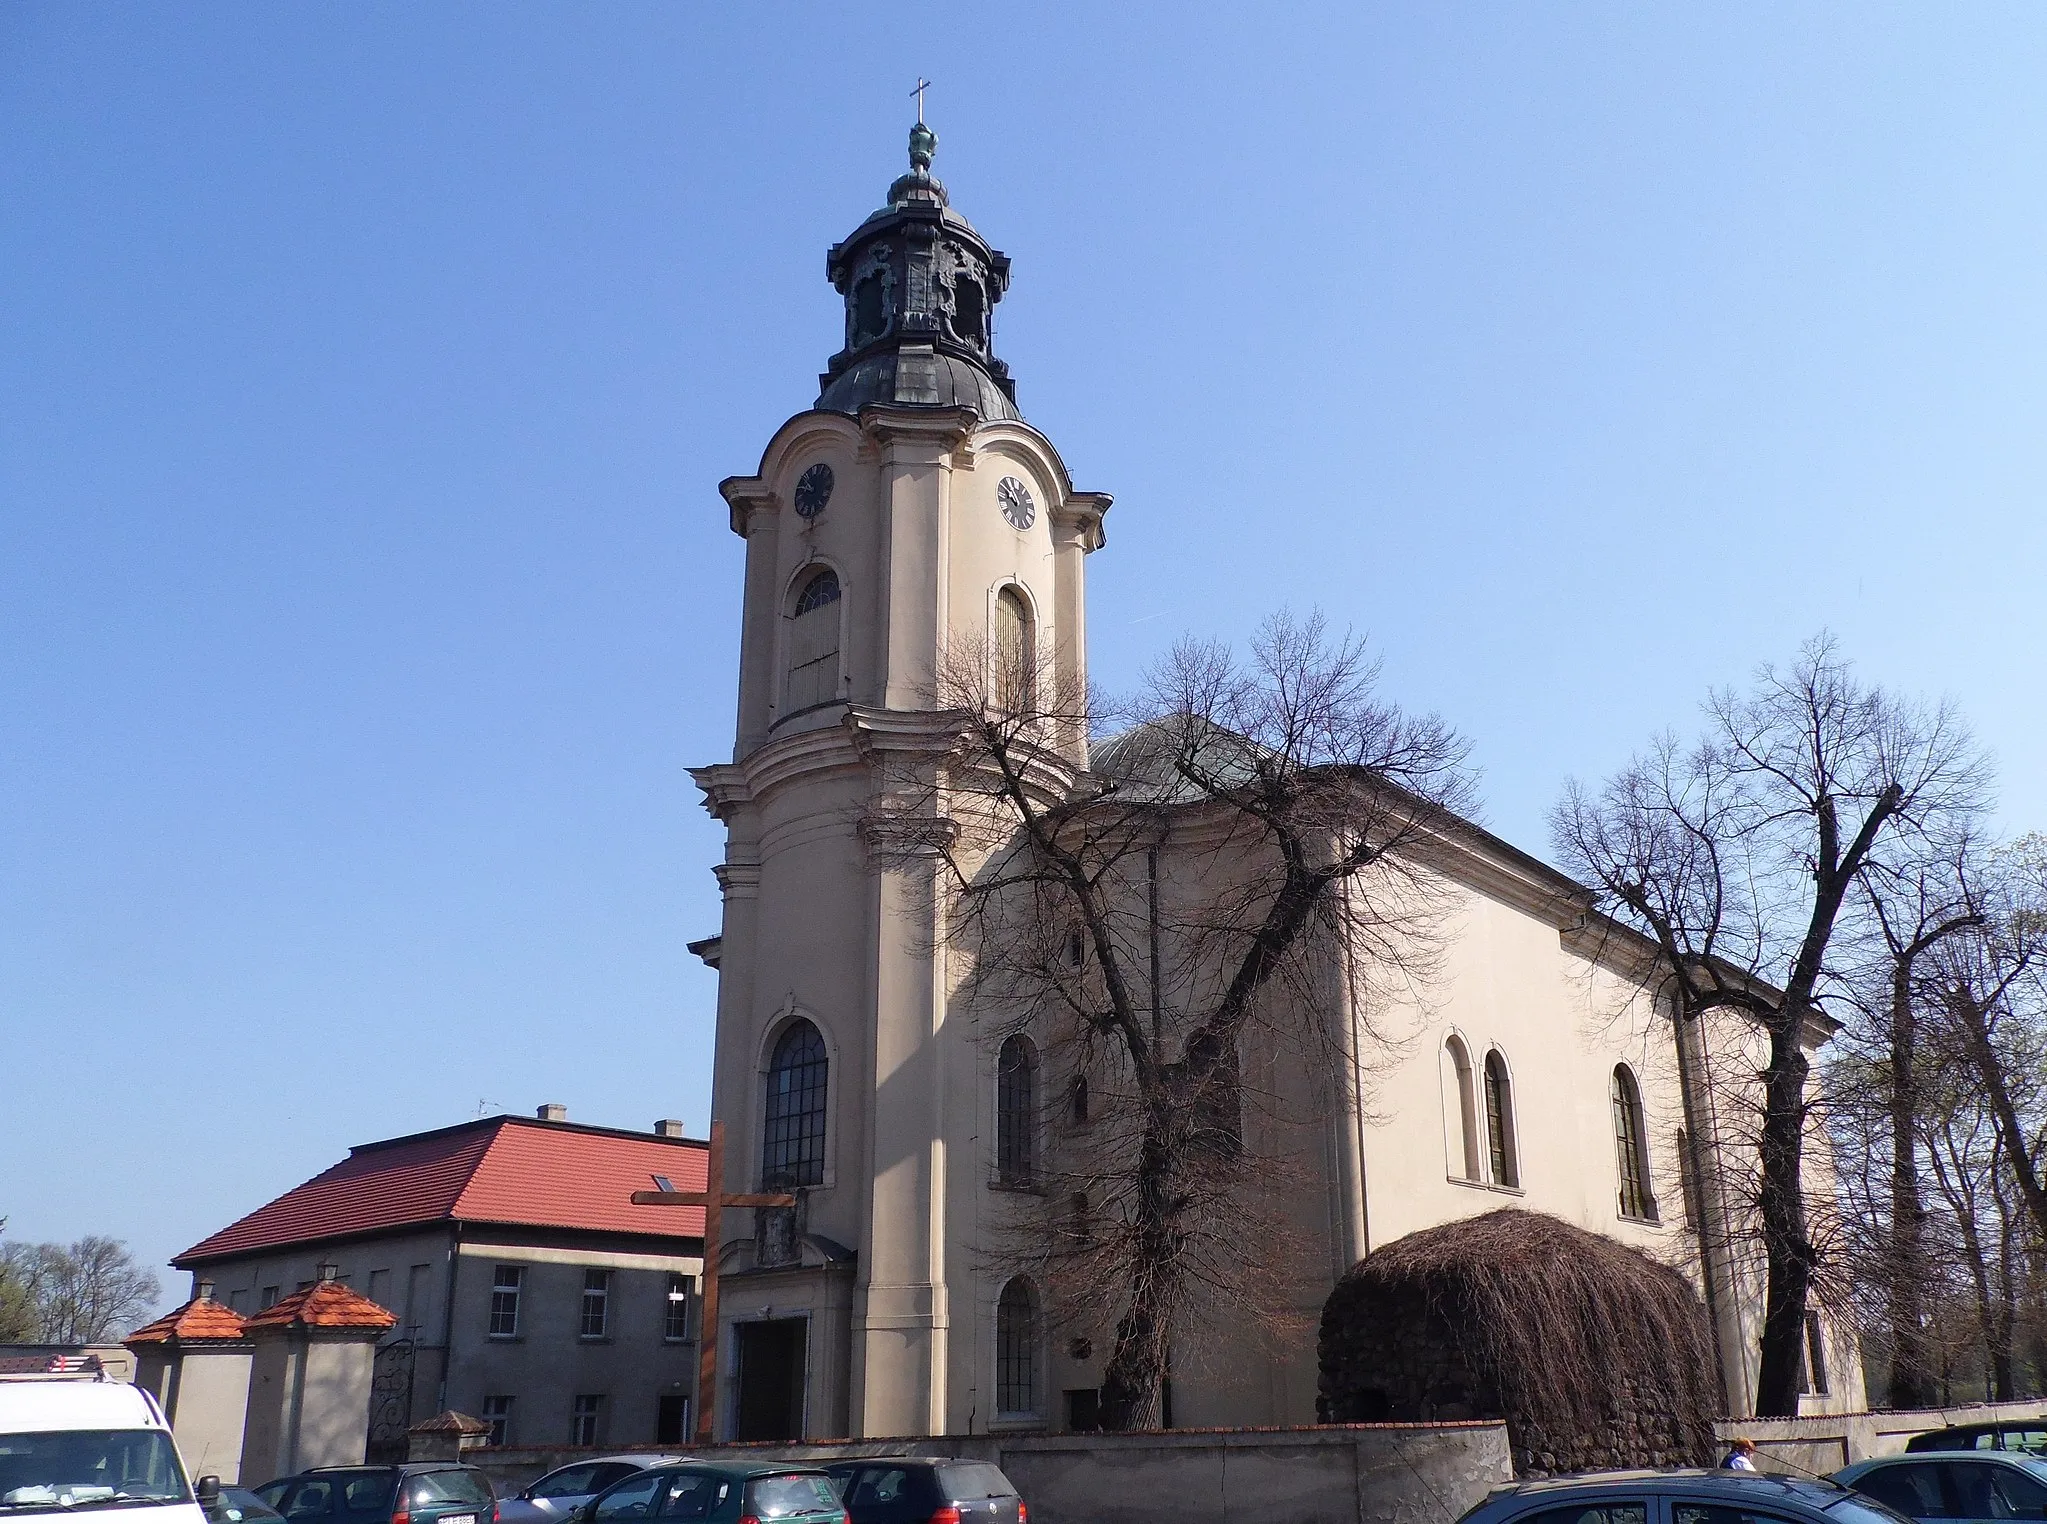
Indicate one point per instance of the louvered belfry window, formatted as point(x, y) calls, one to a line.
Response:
point(814, 645)
point(792, 1151)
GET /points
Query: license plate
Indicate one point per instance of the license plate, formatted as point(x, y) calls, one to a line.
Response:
point(458, 1518)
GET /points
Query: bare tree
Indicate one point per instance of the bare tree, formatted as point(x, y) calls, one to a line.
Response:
point(1916, 904)
point(81, 1293)
point(1738, 856)
point(1994, 999)
point(1234, 866)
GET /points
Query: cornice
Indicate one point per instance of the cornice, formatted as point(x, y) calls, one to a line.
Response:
point(942, 430)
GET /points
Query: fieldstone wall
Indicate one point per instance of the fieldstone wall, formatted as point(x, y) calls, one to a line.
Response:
point(1402, 1360)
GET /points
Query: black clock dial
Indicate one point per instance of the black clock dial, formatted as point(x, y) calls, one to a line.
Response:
point(814, 490)
point(1016, 502)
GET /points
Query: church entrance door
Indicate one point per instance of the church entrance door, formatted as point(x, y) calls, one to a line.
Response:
point(770, 1379)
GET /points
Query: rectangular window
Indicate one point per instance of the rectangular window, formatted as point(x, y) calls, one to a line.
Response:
point(584, 1418)
point(497, 1412)
point(671, 1420)
point(269, 1296)
point(675, 1317)
point(380, 1288)
point(596, 1302)
point(504, 1301)
point(1815, 1384)
point(238, 1301)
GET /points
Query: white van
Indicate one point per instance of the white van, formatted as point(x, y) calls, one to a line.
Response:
point(74, 1444)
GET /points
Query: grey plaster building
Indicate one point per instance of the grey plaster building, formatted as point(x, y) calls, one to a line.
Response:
point(527, 1289)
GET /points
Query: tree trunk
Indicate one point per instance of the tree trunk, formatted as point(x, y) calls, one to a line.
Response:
point(1787, 1253)
point(1133, 1382)
point(1911, 1381)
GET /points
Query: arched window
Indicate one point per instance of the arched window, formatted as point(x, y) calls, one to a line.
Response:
point(1460, 1107)
point(814, 644)
point(1016, 1113)
point(792, 1147)
point(1016, 1351)
point(1631, 1148)
point(1499, 1122)
point(1013, 651)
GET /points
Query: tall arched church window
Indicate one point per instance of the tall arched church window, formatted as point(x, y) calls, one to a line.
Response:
point(1501, 1153)
point(1460, 1106)
point(1016, 1113)
point(1016, 1350)
point(814, 644)
point(792, 1145)
point(1631, 1147)
point(1013, 651)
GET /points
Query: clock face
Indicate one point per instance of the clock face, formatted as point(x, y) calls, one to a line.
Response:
point(1016, 502)
point(814, 490)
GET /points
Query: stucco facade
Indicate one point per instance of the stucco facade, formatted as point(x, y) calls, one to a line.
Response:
point(886, 533)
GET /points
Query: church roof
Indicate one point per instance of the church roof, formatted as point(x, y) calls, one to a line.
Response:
point(920, 287)
point(505, 1169)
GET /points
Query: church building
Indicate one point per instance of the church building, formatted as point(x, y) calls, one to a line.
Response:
point(911, 509)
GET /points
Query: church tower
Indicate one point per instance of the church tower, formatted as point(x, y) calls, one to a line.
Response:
point(908, 514)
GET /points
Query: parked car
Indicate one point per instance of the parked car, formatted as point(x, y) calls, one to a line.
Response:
point(719, 1492)
point(70, 1440)
point(1678, 1497)
point(1954, 1484)
point(238, 1505)
point(553, 1497)
point(904, 1489)
point(429, 1493)
point(2028, 1436)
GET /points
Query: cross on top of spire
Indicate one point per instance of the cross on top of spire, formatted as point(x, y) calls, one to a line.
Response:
point(923, 84)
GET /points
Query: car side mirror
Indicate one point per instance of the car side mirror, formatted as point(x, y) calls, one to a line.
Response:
point(208, 1491)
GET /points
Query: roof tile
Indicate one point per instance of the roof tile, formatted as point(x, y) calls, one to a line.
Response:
point(200, 1318)
point(501, 1170)
point(325, 1304)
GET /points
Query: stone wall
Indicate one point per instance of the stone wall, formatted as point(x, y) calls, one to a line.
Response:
point(1335, 1474)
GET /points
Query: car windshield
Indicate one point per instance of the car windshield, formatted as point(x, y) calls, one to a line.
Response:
point(974, 1479)
point(784, 1497)
point(1854, 1508)
point(69, 1469)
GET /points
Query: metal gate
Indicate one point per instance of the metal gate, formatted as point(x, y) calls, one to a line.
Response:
point(390, 1402)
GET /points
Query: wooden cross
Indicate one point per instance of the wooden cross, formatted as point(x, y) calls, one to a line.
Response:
point(713, 1199)
point(923, 84)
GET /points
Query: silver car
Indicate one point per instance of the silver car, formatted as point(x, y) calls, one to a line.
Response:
point(552, 1498)
point(1678, 1497)
point(1954, 1484)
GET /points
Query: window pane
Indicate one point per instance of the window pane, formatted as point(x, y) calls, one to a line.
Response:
point(793, 1145)
point(1016, 1113)
point(1016, 1341)
point(631, 1500)
point(1912, 1489)
point(569, 1482)
point(1715, 1513)
point(1591, 1513)
point(782, 1497)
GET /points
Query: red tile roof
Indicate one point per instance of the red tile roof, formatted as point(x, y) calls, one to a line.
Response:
point(200, 1318)
point(325, 1304)
point(510, 1170)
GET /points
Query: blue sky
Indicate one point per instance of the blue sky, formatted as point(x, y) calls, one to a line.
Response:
point(368, 372)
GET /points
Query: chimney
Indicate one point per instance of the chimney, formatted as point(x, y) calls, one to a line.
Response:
point(202, 1290)
point(668, 1127)
point(553, 1111)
